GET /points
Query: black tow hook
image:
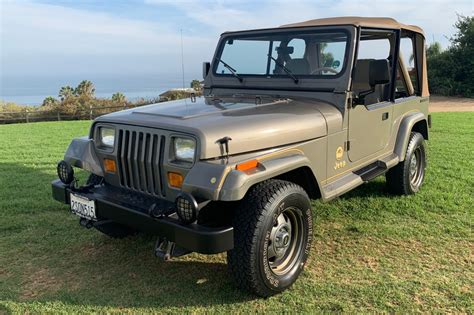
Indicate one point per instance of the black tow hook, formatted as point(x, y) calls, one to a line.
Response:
point(86, 223)
point(165, 250)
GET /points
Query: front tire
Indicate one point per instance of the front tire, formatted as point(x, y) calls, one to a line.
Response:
point(272, 237)
point(407, 176)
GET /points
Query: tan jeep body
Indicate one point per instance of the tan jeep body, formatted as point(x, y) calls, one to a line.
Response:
point(328, 130)
point(298, 132)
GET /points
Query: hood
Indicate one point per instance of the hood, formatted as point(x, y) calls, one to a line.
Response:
point(269, 123)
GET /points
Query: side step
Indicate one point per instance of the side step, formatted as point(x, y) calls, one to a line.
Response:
point(371, 171)
point(358, 177)
point(377, 168)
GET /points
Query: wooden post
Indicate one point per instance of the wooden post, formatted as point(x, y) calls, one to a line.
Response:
point(59, 116)
point(26, 116)
point(90, 113)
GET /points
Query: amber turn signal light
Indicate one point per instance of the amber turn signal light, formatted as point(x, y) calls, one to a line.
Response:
point(175, 179)
point(247, 165)
point(109, 166)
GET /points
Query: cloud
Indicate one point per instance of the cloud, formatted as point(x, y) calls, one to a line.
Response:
point(436, 17)
point(38, 37)
point(56, 28)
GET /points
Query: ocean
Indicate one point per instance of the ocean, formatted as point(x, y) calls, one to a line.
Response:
point(27, 90)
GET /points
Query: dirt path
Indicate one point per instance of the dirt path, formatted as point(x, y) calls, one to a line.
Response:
point(451, 104)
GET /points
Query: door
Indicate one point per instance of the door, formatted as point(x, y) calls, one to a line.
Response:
point(370, 117)
point(369, 129)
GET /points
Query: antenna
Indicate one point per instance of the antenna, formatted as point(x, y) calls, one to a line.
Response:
point(182, 57)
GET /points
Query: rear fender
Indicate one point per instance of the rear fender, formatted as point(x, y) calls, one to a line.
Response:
point(404, 131)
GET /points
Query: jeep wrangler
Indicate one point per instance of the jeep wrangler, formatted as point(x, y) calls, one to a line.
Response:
point(289, 114)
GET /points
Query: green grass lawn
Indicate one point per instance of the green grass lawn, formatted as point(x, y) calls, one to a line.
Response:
point(372, 251)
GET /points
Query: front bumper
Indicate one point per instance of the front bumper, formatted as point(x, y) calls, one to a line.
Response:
point(128, 208)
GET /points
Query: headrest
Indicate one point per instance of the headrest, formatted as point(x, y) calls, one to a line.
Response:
point(379, 72)
point(298, 66)
point(285, 50)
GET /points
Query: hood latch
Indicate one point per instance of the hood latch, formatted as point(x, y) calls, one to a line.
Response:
point(224, 145)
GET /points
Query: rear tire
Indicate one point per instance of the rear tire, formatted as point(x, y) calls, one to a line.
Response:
point(272, 237)
point(407, 176)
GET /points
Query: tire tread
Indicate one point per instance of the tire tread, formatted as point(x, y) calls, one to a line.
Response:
point(398, 177)
point(248, 224)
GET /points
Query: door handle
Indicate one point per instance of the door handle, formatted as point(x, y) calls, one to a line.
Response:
point(385, 116)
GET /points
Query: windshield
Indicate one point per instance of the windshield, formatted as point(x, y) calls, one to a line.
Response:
point(292, 54)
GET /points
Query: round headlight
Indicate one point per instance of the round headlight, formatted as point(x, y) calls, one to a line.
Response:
point(184, 149)
point(65, 172)
point(186, 208)
point(107, 137)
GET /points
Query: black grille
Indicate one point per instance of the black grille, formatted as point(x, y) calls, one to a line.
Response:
point(140, 157)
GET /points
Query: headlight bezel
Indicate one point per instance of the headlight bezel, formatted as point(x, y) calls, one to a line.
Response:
point(101, 144)
point(174, 156)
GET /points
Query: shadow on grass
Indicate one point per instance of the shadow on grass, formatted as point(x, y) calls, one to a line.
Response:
point(50, 257)
point(82, 267)
point(374, 188)
point(125, 273)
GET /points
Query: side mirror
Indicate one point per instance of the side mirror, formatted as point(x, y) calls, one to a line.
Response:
point(205, 69)
point(379, 72)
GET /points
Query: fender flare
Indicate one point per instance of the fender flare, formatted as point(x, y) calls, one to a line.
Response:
point(403, 136)
point(237, 183)
point(81, 154)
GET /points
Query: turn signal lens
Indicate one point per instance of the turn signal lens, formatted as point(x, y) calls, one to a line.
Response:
point(175, 179)
point(109, 166)
point(247, 165)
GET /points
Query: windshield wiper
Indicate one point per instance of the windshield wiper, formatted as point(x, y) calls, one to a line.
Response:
point(232, 70)
point(284, 69)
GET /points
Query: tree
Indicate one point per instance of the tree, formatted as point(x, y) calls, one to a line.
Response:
point(66, 92)
point(451, 72)
point(434, 49)
point(327, 58)
point(196, 85)
point(49, 102)
point(464, 38)
point(85, 88)
point(119, 98)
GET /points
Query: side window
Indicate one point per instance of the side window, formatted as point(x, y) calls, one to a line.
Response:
point(374, 48)
point(373, 45)
point(400, 85)
point(407, 60)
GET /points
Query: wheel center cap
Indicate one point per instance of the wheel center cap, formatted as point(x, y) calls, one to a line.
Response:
point(282, 240)
point(413, 166)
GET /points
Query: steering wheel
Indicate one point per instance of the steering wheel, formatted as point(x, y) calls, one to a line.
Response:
point(329, 69)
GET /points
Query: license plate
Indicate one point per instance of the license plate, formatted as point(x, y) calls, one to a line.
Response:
point(83, 207)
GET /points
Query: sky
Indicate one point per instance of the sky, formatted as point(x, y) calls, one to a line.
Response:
point(142, 38)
